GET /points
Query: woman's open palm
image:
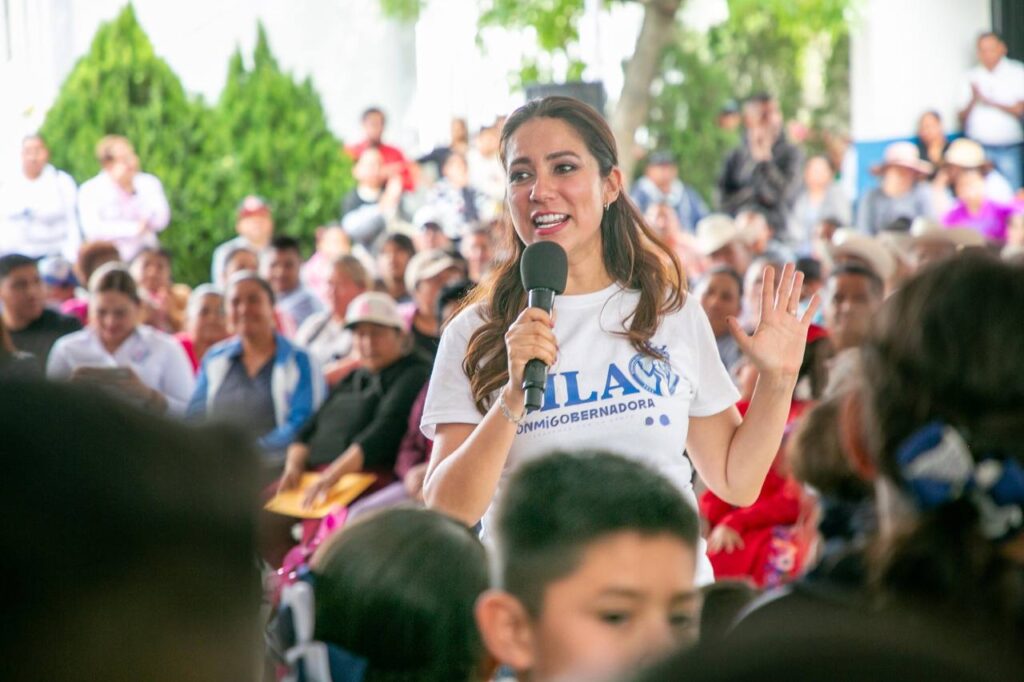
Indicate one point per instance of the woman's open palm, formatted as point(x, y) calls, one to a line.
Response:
point(777, 345)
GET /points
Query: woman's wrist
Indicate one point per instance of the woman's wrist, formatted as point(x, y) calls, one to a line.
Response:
point(776, 383)
point(512, 403)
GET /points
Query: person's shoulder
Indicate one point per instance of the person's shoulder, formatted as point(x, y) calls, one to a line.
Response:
point(310, 324)
point(143, 178)
point(93, 184)
point(221, 348)
point(157, 338)
point(59, 321)
point(73, 340)
point(467, 320)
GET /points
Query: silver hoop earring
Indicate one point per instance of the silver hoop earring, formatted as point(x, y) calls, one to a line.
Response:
point(606, 207)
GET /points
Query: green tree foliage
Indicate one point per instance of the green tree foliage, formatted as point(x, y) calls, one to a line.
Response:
point(759, 48)
point(267, 135)
point(121, 87)
point(282, 147)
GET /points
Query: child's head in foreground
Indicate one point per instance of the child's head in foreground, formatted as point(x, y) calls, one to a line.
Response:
point(594, 569)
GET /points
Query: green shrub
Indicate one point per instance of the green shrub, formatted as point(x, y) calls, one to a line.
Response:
point(281, 146)
point(267, 135)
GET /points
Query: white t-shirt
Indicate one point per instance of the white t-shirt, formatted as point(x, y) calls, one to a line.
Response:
point(38, 217)
point(1004, 85)
point(157, 358)
point(602, 394)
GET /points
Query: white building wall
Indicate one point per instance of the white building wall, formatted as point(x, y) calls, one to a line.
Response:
point(908, 56)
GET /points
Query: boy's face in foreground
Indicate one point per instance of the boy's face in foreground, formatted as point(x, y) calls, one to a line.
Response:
point(630, 599)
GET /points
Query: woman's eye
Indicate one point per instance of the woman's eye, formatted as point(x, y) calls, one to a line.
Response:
point(565, 168)
point(682, 621)
point(516, 176)
point(614, 617)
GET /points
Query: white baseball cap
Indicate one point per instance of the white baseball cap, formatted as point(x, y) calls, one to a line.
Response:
point(374, 307)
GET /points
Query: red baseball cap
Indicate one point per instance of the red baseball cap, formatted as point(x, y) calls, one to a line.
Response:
point(253, 205)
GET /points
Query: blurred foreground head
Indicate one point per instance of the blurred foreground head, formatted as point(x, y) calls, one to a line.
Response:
point(128, 543)
point(944, 381)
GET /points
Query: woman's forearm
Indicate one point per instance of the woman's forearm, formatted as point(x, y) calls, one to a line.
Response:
point(463, 483)
point(756, 440)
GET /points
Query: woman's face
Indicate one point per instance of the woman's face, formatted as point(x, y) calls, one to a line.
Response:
point(929, 129)
point(152, 271)
point(817, 173)
point(555, 189)
point(379, 346)
point(720, 298)
point(209, 323)
point(113, 316)
point(250, 313)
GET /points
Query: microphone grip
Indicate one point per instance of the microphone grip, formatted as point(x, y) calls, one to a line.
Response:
point(535, 375)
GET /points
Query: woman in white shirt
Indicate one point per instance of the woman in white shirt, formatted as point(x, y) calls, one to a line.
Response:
point(115, 351)
point(634, 366)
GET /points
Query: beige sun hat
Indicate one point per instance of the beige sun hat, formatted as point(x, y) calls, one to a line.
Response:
point(715, 231)
point(927, 230)
point(964, 153)
point(904, 155)
point(848, 242)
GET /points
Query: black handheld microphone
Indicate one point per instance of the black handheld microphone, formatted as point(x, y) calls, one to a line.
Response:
point(544, 269)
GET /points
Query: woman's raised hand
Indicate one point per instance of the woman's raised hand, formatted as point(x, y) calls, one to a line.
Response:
point(777, 345)
point(530, 336)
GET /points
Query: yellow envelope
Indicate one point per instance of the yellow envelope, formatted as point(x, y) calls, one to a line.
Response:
point(289, 502)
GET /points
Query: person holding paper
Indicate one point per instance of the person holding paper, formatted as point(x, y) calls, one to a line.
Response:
point(360, 425)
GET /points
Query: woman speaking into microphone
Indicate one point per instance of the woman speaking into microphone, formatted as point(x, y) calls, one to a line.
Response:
point(633, 365)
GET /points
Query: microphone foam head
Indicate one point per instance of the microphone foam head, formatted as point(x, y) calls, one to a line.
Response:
point(544, 266)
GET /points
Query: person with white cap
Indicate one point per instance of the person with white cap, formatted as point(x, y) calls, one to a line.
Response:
point(361, 424)
point(967, 155)
point(720, 241)
point(849, 246)
point(930, 242)
point(426, 275)
point(973, 209)
point(900, 193)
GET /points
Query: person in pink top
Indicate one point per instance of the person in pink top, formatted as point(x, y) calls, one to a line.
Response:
point(977, 212)
point(331, 244)
point(205, 323)
point(122, 204)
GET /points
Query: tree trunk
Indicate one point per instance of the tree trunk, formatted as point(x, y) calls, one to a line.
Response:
point(656, 32)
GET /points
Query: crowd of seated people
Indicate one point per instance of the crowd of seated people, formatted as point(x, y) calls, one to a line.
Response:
point(893, 506)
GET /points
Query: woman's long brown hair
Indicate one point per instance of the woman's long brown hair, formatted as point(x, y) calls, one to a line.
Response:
point(634, 257)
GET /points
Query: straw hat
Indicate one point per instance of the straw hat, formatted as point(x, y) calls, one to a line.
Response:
point(715, 231)
point(848, 242)
point(904, 155)
point(924, 230)
point(964, 153)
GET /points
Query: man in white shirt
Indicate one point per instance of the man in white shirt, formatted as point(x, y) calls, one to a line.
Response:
point(37, 208)
point(122, 204)
point(995, 105)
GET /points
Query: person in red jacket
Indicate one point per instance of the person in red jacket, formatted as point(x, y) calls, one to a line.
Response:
point(393, 159)
point(768, 542)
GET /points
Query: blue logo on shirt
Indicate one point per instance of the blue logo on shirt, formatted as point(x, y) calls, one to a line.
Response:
point(654, 375)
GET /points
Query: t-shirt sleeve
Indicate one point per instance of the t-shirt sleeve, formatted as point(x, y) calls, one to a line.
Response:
point(715, 390)
point(449, 396)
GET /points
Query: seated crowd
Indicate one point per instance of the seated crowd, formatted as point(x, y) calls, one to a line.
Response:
point(890, 518)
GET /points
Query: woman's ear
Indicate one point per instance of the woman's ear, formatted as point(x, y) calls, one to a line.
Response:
point(852, 436)
point(612, 186)
point(506, 629)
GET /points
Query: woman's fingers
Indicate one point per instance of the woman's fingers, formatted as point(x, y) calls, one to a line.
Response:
point(812, 309)
point(767, 290)
point(794, 294)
